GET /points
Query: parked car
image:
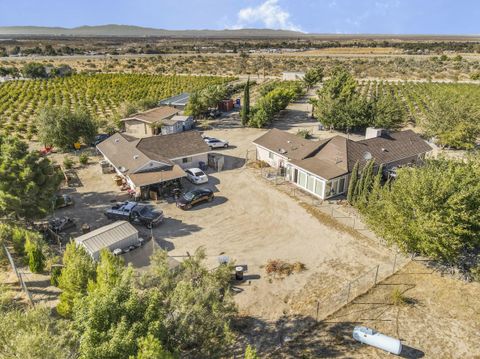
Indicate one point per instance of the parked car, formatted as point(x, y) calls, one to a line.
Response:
point(196, 176)
point(216, 143)
point(135, 213)
point(60, 224)
point(62, 201)
point(191, 198)
point(99, 138)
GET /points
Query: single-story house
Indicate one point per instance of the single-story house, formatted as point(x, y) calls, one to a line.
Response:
point(293, 76)
point(176, 124)
point(323, 167)
point(178, 101)
point(154, 160)
point(148, 123)
point(119, 234)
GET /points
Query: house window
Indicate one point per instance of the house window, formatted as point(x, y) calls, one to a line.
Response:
point(302, 179)
point(310, 183)
point(186, 159)
point(328, 189)
point(319, 188)
point(341, 187)
point(270, 155)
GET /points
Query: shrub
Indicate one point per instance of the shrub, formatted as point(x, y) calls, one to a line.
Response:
point(68, 163)
point(304, 133)
point(282, 269)
point(397, 298)
point(36, 258)
point(83, 159)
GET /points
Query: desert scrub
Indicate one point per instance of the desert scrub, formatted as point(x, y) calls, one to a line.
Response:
point(280, 269)
point(83, 159)
point(68, 163)
point(304, 133)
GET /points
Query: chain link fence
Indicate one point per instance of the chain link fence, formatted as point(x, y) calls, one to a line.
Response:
point(325, 306)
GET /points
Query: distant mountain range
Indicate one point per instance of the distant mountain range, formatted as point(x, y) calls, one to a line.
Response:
point(138, 31)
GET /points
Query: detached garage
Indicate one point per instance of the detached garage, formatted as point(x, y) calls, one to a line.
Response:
point(119, 234)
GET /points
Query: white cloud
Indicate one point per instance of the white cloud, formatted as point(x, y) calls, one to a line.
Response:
point(269, 13)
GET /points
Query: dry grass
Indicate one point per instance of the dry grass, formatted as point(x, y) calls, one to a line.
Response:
point(280, 269)
point(397, 298)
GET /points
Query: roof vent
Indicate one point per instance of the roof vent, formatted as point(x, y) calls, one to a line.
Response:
point(122, 169)
point(282, 151)
point(384, 149)
point(288, 141)
point(135, 157)
point(117, 140)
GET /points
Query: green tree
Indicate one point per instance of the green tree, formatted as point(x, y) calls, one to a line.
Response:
point(453, 122)
point(62, 128)
point(385, 112)
point(27, 181)
point(34, 70)
point(313, 77)
point(35, 334)
point(194, 106)
point(246, 103)
point(352, 184)
point(431, 210)
point(150, 347)
point(36, 258)
point(78, 270)
point(251, 353)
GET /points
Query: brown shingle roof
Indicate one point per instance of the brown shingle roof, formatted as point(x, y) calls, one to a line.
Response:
point(129, 155)
point(154, 115)
point(166, 174)
point(387, 148)
point(176, 145)
point(123, 153)
point(331, 161)
point(287, 144)
point(337, 156)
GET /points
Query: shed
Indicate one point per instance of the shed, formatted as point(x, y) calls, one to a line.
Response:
point(119, 234)
point(179, 101)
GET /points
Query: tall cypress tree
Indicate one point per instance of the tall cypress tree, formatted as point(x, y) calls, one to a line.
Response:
point(368, 179)
point(352, 183)
point(246, 103)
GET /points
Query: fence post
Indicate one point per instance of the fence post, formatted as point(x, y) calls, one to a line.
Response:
point(376, 275)
point(348, 292)
point(394, 262)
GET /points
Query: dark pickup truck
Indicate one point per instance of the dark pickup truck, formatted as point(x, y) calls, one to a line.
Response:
point(135, 213)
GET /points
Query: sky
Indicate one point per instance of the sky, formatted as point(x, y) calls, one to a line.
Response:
point(313, 16)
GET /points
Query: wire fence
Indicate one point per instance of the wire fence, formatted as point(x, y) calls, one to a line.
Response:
point(326, 305)
point(347, 216)
point(23, 285)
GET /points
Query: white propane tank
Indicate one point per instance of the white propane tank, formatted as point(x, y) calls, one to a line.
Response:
point(375, 339)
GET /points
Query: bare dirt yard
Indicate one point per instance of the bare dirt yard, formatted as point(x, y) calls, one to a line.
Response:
point(251, 221)
point(440, 319)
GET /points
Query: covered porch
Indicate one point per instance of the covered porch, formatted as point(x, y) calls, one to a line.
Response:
point(315, 184)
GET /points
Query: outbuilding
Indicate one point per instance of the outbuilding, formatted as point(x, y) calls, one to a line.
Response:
point(119, 234)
